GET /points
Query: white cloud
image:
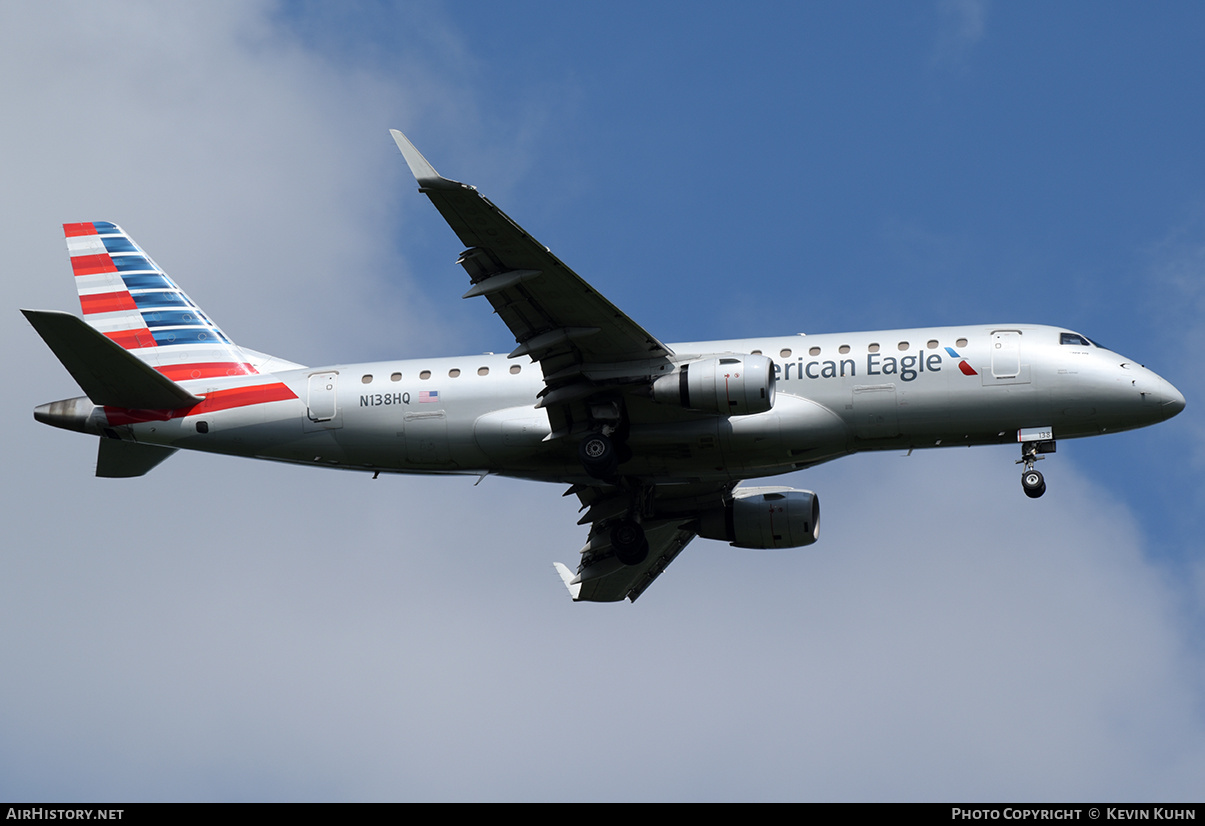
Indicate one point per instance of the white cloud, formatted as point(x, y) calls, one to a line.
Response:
point(377, 639)
point(962, 26)
point(260, 175)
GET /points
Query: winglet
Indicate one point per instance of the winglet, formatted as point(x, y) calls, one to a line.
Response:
point(567, 577)
point(424, 173)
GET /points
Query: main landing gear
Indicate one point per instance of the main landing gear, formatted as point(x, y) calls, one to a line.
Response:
point(602, 449)
point(629, 543)
point(1031, 480)
point(601, 452)
point(599, 456)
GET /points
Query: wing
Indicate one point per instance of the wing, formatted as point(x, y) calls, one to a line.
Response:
point(602, 578)
point(557, 319)
point(669, 513)
point(595, 360)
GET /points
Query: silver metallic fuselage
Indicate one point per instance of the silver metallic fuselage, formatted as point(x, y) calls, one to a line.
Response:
point(837, 394)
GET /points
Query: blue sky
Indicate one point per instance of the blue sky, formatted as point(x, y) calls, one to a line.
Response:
point(230, 630)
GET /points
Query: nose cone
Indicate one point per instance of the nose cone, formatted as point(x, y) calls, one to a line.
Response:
point(1160, 400)
point(1171, 400)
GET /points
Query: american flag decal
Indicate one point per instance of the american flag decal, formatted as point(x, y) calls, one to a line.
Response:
point(428, 396)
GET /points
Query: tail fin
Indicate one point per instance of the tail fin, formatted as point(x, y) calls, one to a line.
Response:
point(130, 300)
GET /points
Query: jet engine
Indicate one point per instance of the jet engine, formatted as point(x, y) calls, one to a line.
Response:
point(729, 385)
point(764, 519)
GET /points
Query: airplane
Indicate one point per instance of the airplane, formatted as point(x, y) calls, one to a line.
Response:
point(652, 438)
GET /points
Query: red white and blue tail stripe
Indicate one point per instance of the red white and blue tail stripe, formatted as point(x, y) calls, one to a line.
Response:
point(130, 300)
point(127, 297)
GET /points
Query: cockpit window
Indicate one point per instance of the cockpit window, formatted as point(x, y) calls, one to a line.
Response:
point(1081, 341)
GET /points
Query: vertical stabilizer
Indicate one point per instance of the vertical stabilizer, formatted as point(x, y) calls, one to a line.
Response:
point(130, 300)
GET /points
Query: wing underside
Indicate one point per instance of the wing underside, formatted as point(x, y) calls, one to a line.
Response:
point(668, 516)
point(602, 578)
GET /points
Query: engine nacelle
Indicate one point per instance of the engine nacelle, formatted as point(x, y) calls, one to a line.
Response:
point(778, 518)
point(729, 385)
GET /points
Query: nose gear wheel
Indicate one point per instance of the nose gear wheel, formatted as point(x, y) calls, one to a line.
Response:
point(1031, 480)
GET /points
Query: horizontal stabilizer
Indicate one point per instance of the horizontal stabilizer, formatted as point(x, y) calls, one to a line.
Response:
point(116, 459)
point(106, 372)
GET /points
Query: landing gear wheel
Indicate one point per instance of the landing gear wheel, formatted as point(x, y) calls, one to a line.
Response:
point(629, 543)
point(1033, 484)
point(598, 456)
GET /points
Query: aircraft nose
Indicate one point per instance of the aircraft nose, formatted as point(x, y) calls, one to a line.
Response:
point(1160, 400)
point(1172, 400)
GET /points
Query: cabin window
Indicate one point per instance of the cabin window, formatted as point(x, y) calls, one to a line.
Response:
point(515, 368)
point(903, 345)
point(366, 379)
point(454, 372)
point(932, 345)
point(755, 352)
point(843, 349)
point(426, 374)
point(483, 371)
point(873, 348)
point(786, 353)
point(815, 351)
point(962, 342)
point(396, 377)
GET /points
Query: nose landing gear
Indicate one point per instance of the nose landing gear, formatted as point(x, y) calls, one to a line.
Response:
point(1031, 480)
point(1033, 484)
